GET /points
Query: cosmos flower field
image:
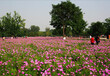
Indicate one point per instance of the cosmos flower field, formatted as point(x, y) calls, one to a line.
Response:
point(53, 56)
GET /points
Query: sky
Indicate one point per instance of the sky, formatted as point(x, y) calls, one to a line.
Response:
point(36, 12)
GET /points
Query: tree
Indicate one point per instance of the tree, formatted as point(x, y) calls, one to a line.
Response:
point(107, 26)
point(66, 14)
point(97, 28)
point(1, 29)
point(48, 31)
point(34, 30)
point(11, 25)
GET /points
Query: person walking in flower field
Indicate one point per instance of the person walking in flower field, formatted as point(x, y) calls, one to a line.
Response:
point(92, 40)
point(97, 39)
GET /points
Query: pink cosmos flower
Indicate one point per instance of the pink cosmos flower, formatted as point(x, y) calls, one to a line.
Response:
point(0, 62)
point(3, 50)
point(19, 70)
point(32, 61)
point(54, 60)
point(22, 72)
point(91, 61)
point(60, 66)
point(26, 74)
point(90, 72)
point(58, 74)
point(107, 71)
point(36, 61)
point(3, 73)
point(48, 69)
point(51, 65)
point(43, 74)
point(34, 69)
point(46, 72)
point(5, 63)
point(26, 63)
point(53, 70)
point(11, 73)
point(60, 69)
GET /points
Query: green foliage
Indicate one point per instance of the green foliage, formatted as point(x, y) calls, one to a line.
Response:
point(107, 26)
point(41, 33)
point(57, 32)
point(34, 28)
point(97, 28)
point(48, 32)
point(66, 15)
point(11, 25)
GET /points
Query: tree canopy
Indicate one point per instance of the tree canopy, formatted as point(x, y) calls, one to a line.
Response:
point(34, 30)
point(107, 26)
point(11, 25)
point(67, 14)
point(97, 28)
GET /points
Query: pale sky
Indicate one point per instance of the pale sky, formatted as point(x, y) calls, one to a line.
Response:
point(36, 12)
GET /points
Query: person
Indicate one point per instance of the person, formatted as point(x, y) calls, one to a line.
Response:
point(92, 40)
point(64, 38)
point(3, 38)
point(97, 39)
point(90, 37)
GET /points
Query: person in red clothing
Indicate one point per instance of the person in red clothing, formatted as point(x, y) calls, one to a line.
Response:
point(92, 40)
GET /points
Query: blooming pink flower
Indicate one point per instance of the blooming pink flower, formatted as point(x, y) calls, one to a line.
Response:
point(60, 69)
point(54, 60)
point(60, 66)
point(36, 61)
point(26, 74)
point(34, 69)
point(3, 73)
point(91, 61)
point(3, 50)
point(107, 70)
point(32, 61)
point(90, 72)
point(48, 69)
point(0, 62)
point(26, 63)
point(5, 63)
point(58, 74)
point(11, 73)
point(43, 74)
point(19, 70)
point(22, 72)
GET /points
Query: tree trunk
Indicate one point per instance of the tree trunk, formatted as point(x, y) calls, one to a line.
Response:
point(63, 30)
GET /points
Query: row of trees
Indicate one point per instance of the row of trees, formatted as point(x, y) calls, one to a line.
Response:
point(34, 31)
point(66, 18)
point(14, 25)
point(11, 25)
point(99, 28)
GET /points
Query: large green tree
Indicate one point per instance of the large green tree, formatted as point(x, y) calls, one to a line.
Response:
point(11, 25)
point(97, 28)
point(107, 26)
point(67, 14)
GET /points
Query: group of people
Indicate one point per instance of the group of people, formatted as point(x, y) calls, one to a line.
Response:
point(97, 39)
